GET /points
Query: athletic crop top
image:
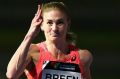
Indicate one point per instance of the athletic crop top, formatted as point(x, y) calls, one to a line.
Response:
point(73, 57)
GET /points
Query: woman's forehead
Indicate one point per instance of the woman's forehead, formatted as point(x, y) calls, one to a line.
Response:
point(54, 14)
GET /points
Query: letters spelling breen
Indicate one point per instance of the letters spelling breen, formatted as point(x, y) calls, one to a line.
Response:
point(56, 76)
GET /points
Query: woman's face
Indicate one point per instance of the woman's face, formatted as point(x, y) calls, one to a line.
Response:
point(55, 25)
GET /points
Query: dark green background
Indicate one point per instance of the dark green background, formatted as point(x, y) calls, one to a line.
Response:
point(95, 22)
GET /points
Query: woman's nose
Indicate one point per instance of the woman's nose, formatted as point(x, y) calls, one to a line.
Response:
point(54, 27)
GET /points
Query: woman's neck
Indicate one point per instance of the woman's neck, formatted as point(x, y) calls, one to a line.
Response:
point(57, 49)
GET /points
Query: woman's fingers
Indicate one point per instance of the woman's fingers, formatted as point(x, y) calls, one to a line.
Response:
point(36, 23)
point(37, 16)
point(38, 10)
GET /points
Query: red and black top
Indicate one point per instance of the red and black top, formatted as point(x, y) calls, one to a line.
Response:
point(45, 55)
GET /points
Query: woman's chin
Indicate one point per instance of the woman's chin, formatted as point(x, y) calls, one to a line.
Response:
point(55, 38)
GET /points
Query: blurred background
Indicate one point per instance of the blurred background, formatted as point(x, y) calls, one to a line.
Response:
point(95, 22)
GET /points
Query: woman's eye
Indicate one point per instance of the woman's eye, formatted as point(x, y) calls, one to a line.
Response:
point(60, 22)
point(50, 23)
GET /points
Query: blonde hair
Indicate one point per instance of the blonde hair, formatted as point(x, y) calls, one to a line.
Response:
point(55, 5)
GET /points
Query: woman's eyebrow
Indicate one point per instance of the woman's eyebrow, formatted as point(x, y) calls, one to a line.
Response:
point(49, 20)
point(61, 19)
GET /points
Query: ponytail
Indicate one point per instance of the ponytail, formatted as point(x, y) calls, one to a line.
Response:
point(71, 38)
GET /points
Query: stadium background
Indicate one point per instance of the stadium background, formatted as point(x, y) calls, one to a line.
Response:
point(95, 22)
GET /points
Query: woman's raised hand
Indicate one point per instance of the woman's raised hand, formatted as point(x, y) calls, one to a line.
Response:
point(35, 24)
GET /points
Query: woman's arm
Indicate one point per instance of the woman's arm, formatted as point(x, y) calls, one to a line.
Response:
point(19, 60)
point(86, 58)
point(21, 57)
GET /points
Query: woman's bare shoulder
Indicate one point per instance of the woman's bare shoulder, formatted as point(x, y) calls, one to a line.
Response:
point(85, 56)
point(33, 48)
point(34, 51)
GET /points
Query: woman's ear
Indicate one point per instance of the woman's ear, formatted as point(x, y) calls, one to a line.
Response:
point(69, 24)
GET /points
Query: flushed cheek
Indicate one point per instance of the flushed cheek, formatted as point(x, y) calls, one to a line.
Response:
point(48, 31)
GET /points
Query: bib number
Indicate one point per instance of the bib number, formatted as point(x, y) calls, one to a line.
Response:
point(60, 70)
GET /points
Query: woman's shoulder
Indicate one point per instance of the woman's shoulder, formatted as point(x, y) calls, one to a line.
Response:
point(34, 51)
point(34, 48)
point(85, 56)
